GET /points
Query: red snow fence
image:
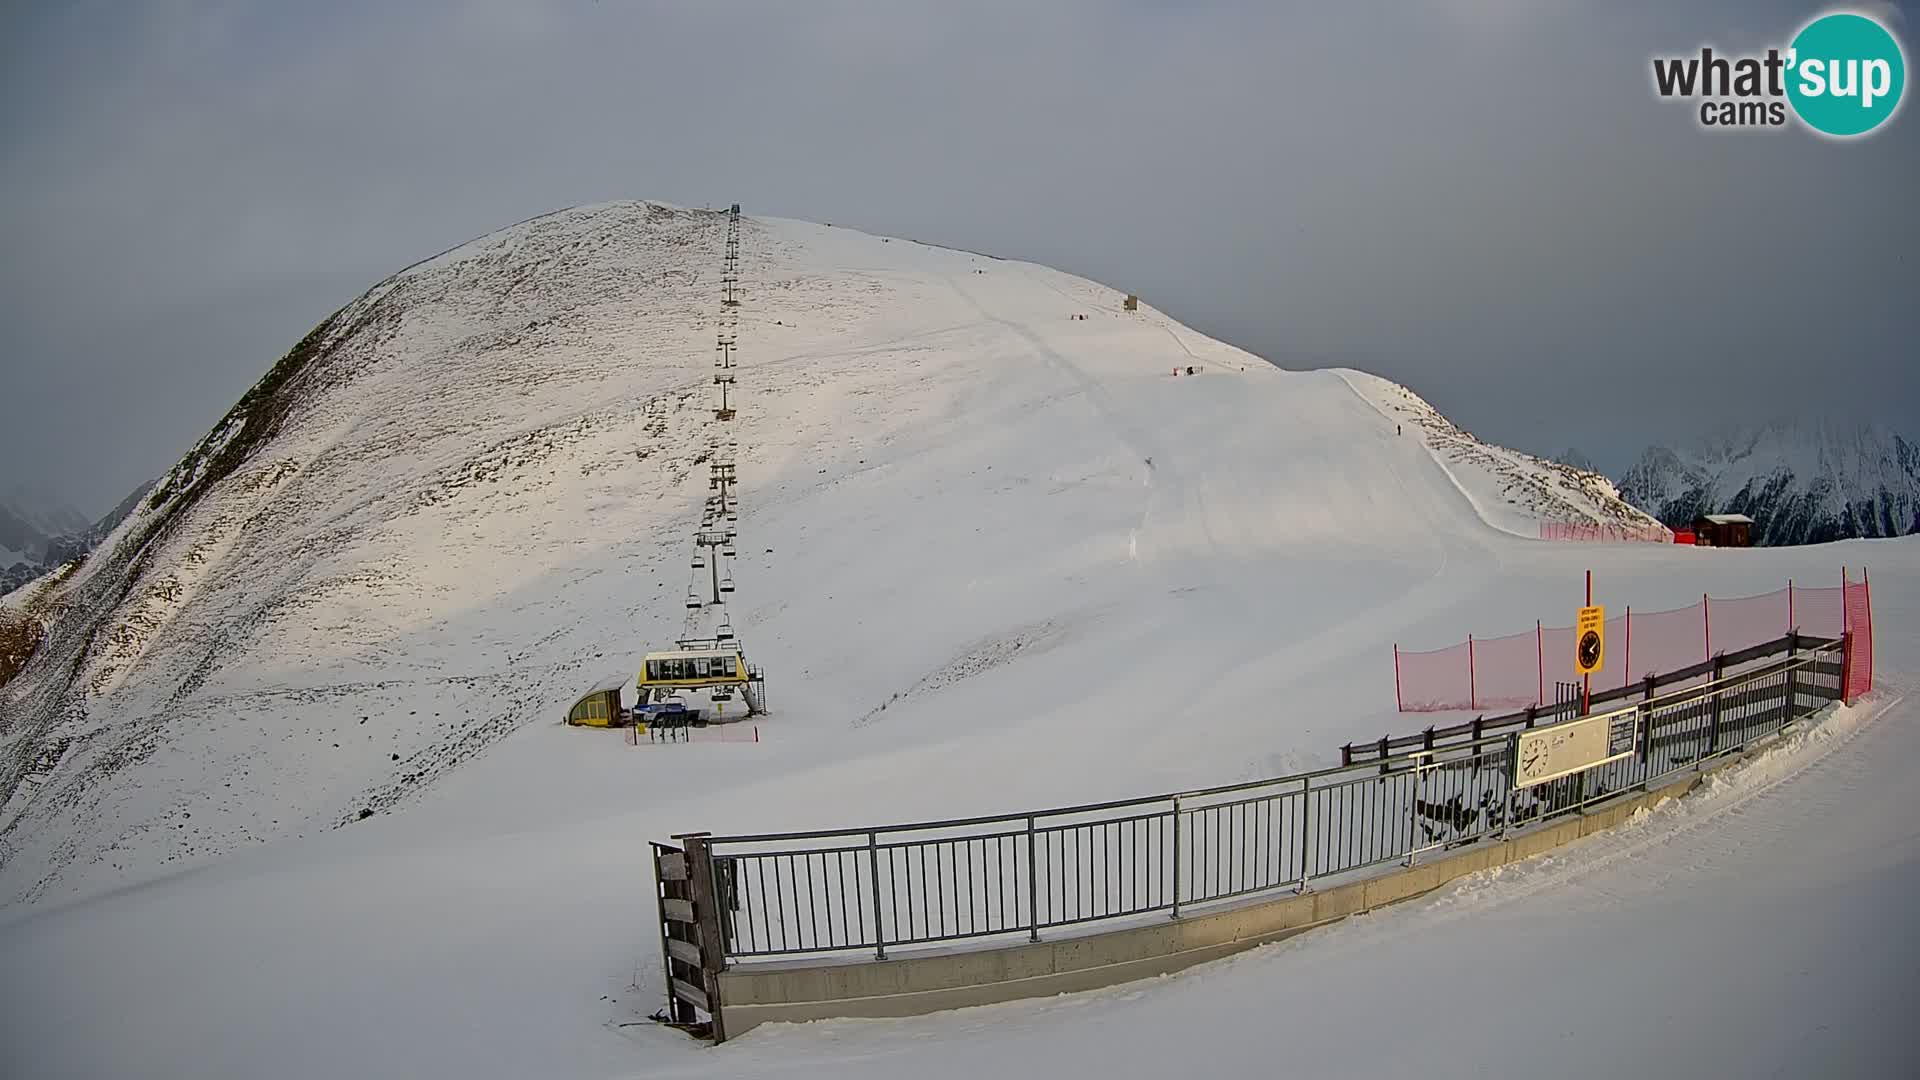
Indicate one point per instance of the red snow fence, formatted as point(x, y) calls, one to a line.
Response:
point(1596, 533)
point(1514, 671)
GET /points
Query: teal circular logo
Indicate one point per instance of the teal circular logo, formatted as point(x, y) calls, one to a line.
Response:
point(1846, 74)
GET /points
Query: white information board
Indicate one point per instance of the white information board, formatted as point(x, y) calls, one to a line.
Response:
point(1550, 753)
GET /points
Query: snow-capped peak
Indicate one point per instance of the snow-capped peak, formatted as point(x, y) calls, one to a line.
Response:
point(1802, 481)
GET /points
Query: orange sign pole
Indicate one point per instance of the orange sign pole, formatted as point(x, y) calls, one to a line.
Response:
point(1586, 681)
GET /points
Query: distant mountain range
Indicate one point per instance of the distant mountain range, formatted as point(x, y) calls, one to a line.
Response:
point(1575, 459)
point(39, 532)
point(1802, 482)
point(29, 517)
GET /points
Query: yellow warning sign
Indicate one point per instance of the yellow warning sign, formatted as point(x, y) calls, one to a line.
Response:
point(1590, 640)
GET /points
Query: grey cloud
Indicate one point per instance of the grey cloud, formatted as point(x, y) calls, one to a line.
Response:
point(1482, 200)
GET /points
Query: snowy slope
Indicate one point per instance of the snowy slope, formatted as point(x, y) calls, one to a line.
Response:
point(1513, 491)
point(454, 504)
point(1066, 575)
point(497, 928)
point(1801, 482)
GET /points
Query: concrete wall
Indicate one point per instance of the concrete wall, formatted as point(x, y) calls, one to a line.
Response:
point(924, 982)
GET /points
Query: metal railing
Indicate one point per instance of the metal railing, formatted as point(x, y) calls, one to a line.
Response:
point(786, 894)
point(1521, 719)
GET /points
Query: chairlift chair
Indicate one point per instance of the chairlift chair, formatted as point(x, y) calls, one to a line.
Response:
point(725, 630)
point(693, 598)
point(726, 583)
point(699, 560)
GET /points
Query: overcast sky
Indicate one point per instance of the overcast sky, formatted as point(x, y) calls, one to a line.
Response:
point(1481, 199)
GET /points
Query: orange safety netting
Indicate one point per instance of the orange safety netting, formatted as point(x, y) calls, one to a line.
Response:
point(1594, 532)
point(1521, 669)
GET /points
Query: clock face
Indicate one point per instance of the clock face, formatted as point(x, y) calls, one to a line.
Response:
point(1534, 758)
point(1589, 649)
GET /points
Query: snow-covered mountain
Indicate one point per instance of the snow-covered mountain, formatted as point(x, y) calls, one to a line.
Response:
point(994, 555)
point(1530, 489)
point(30, 517)
point(41, 508)
point(470, 492)
point(1575, 458)
point(47, 539)
point(1802, 482)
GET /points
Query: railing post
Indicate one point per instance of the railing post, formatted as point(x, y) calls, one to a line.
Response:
point(1706, 622)
point(1413, 803)
point(1513, 774)
point(1643, 736)
point(1713, 729)
point(1033, 885)
point(1793, 649)
point(1846, 658)
point(1176, 856)
point(706, 912)
point(1306, 806)
point(873, 865)
point(679, 1010)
